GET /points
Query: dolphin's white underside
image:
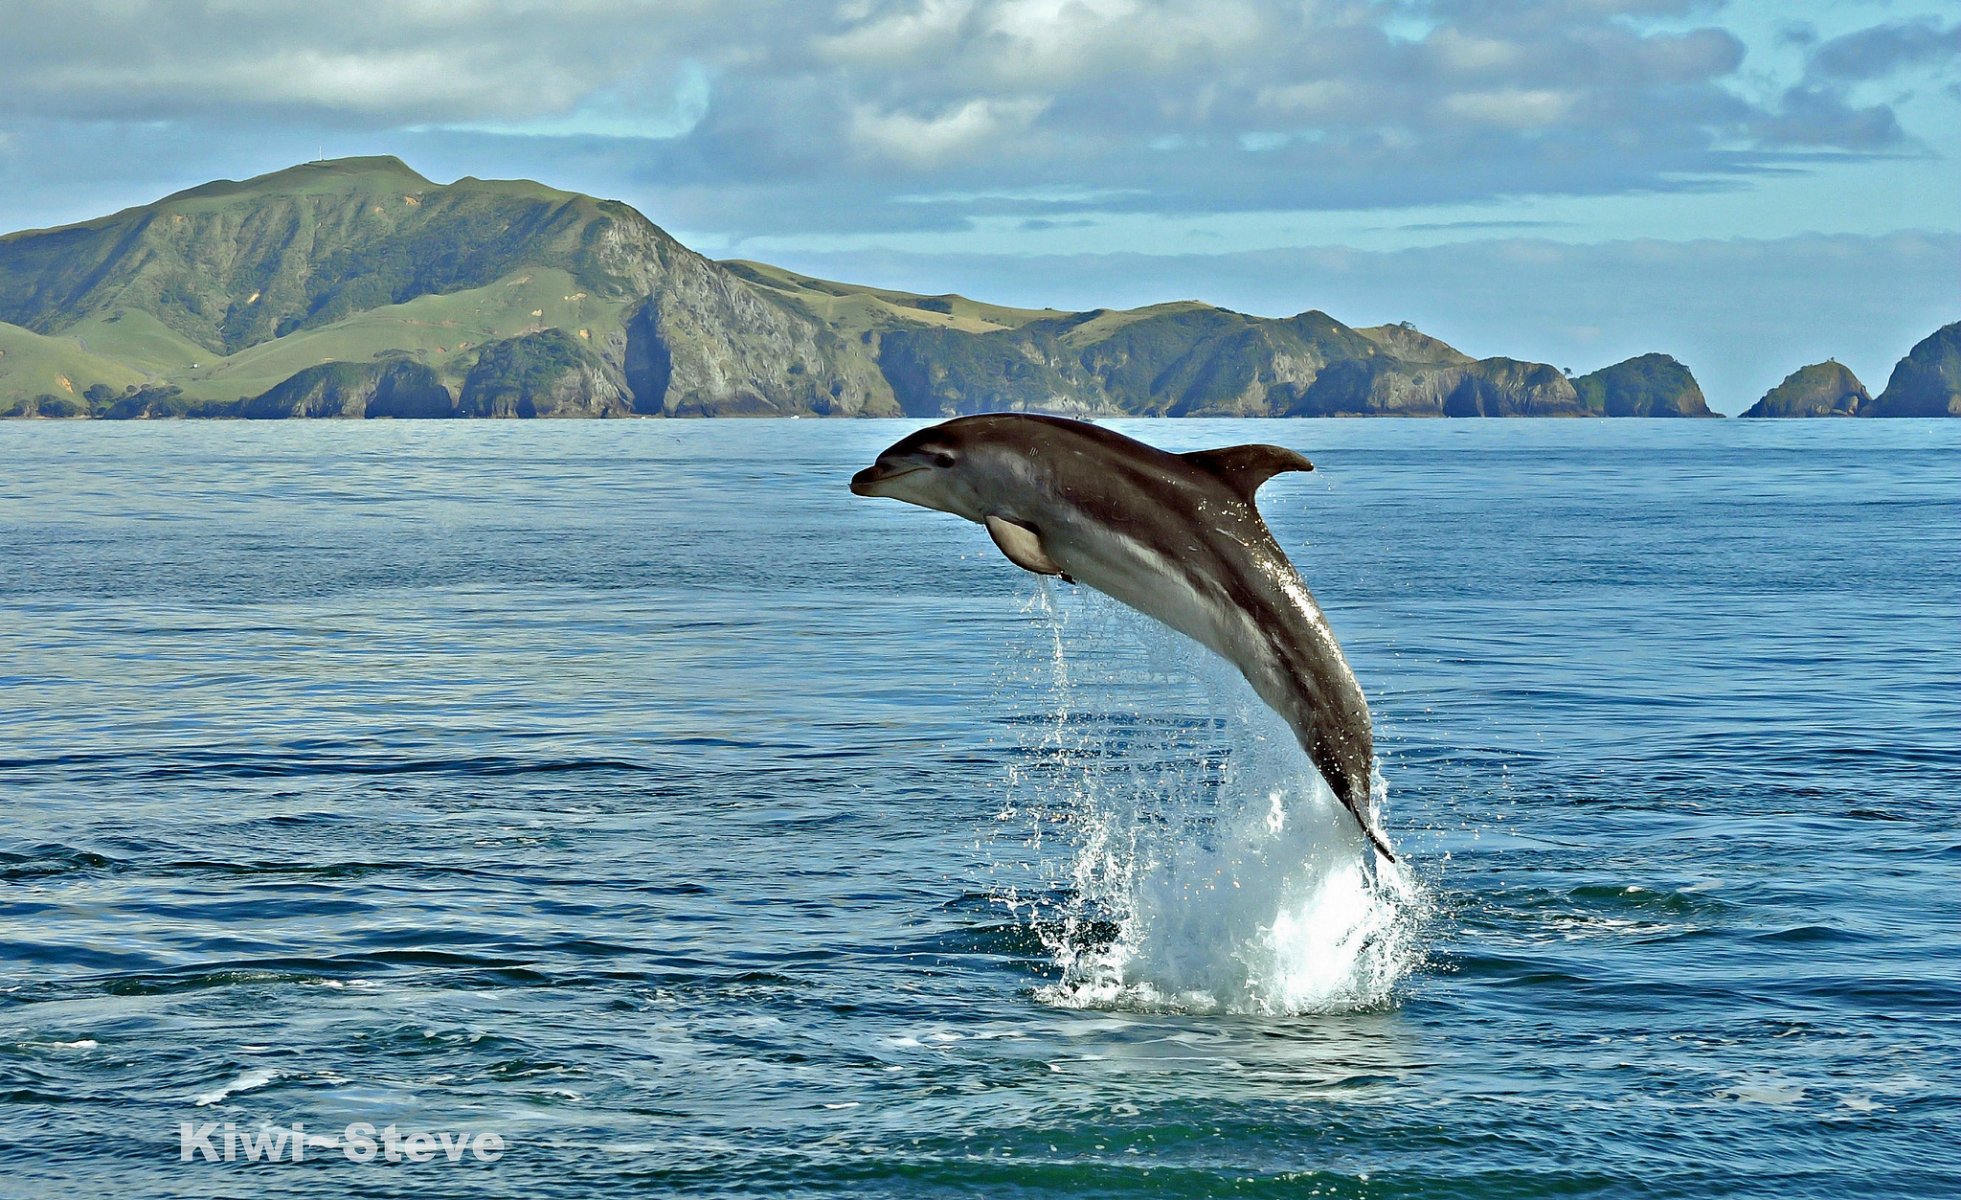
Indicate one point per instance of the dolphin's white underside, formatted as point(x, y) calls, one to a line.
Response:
point(1146, 579)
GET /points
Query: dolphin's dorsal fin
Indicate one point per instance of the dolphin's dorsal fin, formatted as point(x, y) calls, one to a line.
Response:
point(1022, 545)
point(1245, 468)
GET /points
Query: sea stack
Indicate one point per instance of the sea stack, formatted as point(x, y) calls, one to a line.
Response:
point(1826, 389)
point(1649, 385)
point(1927, 382)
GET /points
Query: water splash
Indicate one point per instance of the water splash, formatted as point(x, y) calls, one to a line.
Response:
point(1193, 860)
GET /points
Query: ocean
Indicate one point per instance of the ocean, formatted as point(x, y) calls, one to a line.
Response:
point(625, 807)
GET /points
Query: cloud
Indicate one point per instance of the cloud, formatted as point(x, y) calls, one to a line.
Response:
point(1883, 49)
point(1824, 117)
point(359, 63)
point(754, 116)
point(1512, 108)
point(1821, 109)
point(924, 141)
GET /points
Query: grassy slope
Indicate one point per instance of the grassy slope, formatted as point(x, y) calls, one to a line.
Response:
point(443, 331)
point(853, 309)
point(1102, 323)
point(229, 265)
point(33, 364)
point(1413, 345)
point(437, 329)
point(136, 337)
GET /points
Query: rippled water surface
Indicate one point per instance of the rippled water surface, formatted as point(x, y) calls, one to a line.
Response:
point(630, 790)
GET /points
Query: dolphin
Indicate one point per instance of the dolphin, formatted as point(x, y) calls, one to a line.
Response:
point(1174, 536)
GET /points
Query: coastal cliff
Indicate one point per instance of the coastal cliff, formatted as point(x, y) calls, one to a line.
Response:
point(1927, 382)
point(357, 288)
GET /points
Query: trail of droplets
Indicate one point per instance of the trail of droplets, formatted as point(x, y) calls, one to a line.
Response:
point(1185, 855)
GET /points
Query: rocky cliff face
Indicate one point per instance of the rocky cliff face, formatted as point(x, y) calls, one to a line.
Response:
point(1201, 361)
point(1927, 382)
point(1650, 385)
point(1493, 387)
point(396, 388)
point(705, 344)
point(544, 374)
point(1826, 389)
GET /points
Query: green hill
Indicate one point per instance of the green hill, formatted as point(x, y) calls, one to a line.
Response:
point(1411, 344)
point(51, 377)
point(1826, 389)
point(359, 288)
point(228, 290)
point(1651, 385)
point(853, 310)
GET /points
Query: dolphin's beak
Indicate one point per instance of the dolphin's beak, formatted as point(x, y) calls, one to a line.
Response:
point(865, 482)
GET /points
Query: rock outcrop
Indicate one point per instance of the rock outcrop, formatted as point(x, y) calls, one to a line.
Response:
point(391, 388)
point(1826, 389)
point(543, 374)
point(1649, 385)
point(1194, 360)
point(1927, 382)
point(1492, 387)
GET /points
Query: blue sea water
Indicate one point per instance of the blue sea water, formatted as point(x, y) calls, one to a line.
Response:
point(632, 792)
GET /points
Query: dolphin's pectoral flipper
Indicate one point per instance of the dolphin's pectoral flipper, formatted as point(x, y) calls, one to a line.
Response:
point(1023, 546)
point(1245, 468)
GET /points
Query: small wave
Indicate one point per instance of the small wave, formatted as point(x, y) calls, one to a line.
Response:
point(1776, 1093)
point(322, 759)
point(50, 859)
point(1634, 898)
point(1809, 935)
point(31, 1047)
point(250, 1081)
point(280, 766)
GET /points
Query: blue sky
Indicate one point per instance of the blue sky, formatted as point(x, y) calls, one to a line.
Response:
point(1750, 186)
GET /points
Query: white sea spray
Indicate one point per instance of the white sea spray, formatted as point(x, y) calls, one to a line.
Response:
point(1195, 859)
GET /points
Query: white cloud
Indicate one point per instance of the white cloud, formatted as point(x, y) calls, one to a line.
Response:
point(1469, 53)
point(1310, 100)
point(1512, 108)
point(894, 38)
point(817, 114)
point(952, 132)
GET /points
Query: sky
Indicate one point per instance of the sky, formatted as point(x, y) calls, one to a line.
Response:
point(1748, 186)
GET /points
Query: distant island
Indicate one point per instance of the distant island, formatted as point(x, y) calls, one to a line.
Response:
point(1926, 383)
point(357, 288)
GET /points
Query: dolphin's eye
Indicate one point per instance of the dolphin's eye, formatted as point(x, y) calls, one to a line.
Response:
point(942, 459)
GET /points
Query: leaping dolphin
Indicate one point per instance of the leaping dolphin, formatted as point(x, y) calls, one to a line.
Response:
point(1175, 536)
